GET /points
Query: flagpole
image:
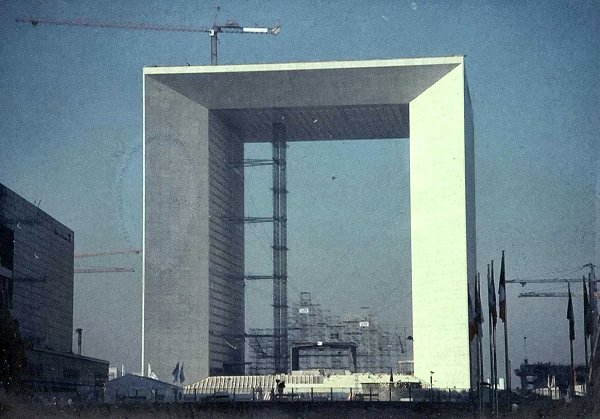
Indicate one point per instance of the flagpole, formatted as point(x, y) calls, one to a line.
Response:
point(507, 363)
point(474, 327)
point(572, 370)
point(504, 317)
point(495, 373)
point(479, 346)
point(593, 301)
point(585, 321)
point(495, 351)
point(477, 325)
point(508, 384)
point(492, 378)
point(571, 338)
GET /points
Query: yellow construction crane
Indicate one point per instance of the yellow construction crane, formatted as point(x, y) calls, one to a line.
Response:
point(229, 26)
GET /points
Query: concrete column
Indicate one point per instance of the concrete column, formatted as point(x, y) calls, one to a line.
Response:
point(176, 240)
point(442, 229)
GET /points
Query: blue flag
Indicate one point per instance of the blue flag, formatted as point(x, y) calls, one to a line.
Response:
point(502, 292)
point(570, 316)
point(473, 324)
point(587, 312)
point(478, 310)
point(492, 296)
point(175, 373)
point(181, 376)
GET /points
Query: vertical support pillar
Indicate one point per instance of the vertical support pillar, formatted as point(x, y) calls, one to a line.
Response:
point(280, 315)
point(283, 246)
point(276, 266)
point(442, 200)
point(176, 218)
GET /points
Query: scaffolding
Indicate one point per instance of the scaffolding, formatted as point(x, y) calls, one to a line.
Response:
point(278, 336)
point(379, 347)
point(280, 308)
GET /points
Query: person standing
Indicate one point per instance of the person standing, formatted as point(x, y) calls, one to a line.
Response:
point(280, 387)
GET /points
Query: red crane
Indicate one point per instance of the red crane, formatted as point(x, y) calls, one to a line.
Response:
point(229, 26)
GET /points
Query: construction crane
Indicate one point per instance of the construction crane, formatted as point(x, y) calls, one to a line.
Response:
point(97, 270)
point(524, 282)
point(545, 294)
point(229, 26)
point(102, 270)
point(108, 253)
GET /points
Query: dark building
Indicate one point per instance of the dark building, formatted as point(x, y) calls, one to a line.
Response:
point(133, 388)
point(36, 284)
point(534, 376)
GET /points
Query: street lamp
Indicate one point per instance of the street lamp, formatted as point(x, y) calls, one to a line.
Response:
point(79, 331)
point(431, 385)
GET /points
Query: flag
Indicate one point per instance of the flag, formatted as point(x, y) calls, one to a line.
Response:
point(492, 297)
point(593, 296)
point(571, 317)
point(478, 311)
point(151, 373)
point(502, 292)
point(587, 312)
point(175, 373)
point(181, 376)
point(472, 322)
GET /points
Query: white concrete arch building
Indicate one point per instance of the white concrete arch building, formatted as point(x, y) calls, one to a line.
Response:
point(196, 120)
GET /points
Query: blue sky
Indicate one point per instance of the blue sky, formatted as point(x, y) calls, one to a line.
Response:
point(71, 134)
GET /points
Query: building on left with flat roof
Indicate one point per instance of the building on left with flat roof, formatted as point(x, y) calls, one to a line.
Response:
point(36, 286)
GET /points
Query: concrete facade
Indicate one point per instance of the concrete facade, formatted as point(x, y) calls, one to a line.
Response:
point(442, 201)
point(191, 250)
point(196, 120)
